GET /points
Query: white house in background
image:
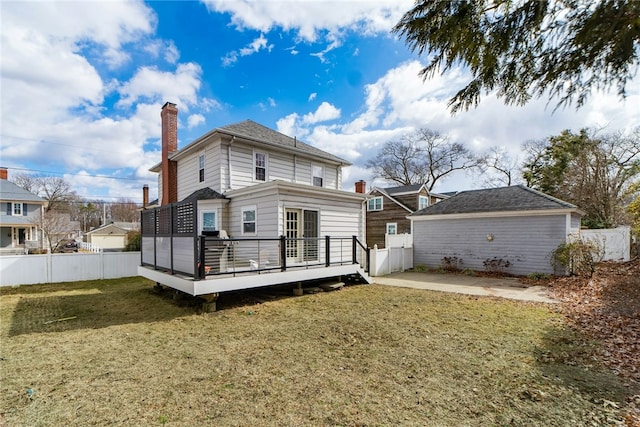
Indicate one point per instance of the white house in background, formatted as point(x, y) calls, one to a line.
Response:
point(19, 217)
point(250, 182)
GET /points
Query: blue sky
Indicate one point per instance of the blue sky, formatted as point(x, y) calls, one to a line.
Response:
point(82, 84)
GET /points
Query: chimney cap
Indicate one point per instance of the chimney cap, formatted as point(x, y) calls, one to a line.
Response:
point(168, 104)
point(145, 186)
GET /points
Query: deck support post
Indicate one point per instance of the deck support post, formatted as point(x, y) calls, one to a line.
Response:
point(209, 304)
point(297, 291)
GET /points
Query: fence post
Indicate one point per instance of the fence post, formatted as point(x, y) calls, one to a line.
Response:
point(283, 253)
point(101, 265)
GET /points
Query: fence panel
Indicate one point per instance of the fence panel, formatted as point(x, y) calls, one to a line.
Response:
point(387, 260)
point(33, 269)
point(615, 242)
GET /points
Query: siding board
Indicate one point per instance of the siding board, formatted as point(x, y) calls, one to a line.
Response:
point(526, 242)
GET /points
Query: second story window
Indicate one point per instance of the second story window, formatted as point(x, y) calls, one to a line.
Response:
point(201, 168)
point(374, 204)
point(17, 209)
point(318, 176)
point(423, 202)
point(260, 166)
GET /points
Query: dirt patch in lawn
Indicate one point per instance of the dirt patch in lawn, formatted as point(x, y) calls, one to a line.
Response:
point(113, 352)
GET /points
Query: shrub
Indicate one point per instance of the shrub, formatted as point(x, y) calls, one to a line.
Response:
point(538, 276)
point(496, 265)
point(452, 263)
point(420, 268)
point(133, 241)
point(578, 257)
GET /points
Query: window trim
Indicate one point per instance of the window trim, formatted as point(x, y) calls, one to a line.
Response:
point(254, 222)
point(426, 199)
point(202, 161)
point(373, 200)
point(320, 176)
point(13, 209)
point(202, 214)
point(395, 226)
point(265, 167)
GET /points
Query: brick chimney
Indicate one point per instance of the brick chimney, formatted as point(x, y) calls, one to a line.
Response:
point(169, 115)
point(361, 186)
point(4, 173)
point(145, 196)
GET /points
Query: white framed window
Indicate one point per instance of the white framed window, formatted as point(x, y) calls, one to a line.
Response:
point(423, 202)
point(248, 220)
point(374, 204)
point(392, 228)
point(259, 166)
point(208, 221)
point(201, 161)
point(317, 179)
point(17, 209)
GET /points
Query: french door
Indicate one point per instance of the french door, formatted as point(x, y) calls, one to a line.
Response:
point(299, 224)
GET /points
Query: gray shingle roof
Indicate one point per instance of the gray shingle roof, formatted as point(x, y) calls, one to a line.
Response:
point(203, 194)
point(252, 130)
point(403, 189)
point(514, 198)
point(11, 192)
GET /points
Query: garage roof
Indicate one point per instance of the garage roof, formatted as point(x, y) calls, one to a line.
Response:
point(514, 198)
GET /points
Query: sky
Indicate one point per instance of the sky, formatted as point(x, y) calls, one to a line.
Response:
point(82, 84)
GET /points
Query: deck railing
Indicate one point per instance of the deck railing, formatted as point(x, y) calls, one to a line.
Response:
point(170, 243)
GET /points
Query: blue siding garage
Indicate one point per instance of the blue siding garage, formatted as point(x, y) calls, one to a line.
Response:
point(515, 225)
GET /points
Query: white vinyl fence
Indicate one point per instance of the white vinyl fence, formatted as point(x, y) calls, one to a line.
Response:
point(398, 240)
point(615, 242)
point(387, 260)
point(53, 268)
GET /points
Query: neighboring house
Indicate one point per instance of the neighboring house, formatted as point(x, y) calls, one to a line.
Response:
point(111, 236)
point(249, 182)
point(19, 217)
point(513, 229)
point(387, 210)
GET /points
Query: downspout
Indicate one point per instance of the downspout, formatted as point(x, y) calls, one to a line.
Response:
point(233, 138)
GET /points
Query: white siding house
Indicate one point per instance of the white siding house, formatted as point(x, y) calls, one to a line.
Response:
point(251, 182)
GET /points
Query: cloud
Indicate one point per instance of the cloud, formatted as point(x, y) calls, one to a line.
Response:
point(312, 96)
point(254, 47)
point(314, 21)
point(194, 120)
point(151, 84)
point(400, 101)
point(325, 112)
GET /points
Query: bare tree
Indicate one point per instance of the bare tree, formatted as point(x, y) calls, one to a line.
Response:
point(55, 226)
point(423, 157)
point(54, 189)
point(498, 167)
point(29, 182)
point(125, 210)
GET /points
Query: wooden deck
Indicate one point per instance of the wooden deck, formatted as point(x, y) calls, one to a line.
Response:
point(249, 279)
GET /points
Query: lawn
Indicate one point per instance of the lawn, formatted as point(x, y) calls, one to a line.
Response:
point(115, 353)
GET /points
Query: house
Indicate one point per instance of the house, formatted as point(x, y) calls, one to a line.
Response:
point(387, 209)
point(20, 217)
point(511, 229)
point(112, 236)
point(277, 200)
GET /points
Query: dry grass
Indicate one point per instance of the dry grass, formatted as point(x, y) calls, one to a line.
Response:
point(365, 355)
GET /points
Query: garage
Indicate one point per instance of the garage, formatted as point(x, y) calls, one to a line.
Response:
point(508, 229)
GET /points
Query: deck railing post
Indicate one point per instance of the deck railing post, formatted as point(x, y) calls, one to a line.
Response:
point(283, 253)
point(327, 251)
point(200, 264)
point(368, 260)
point(354, 254)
